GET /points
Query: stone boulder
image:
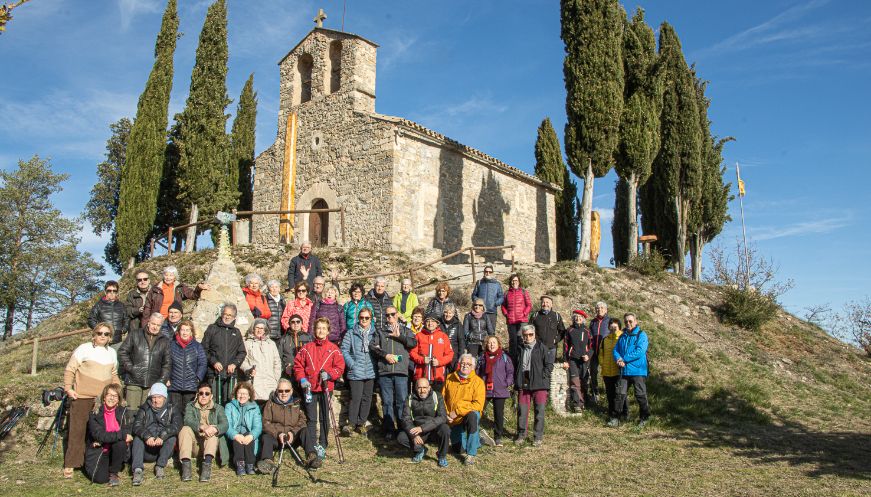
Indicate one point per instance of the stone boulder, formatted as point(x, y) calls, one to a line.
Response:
point(224, 286)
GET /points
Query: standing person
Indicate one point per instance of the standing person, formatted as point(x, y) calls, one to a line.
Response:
point(576, 360)
point(155, 430)
point(452, 327)
point(405, 301)
point(284, 423)
point(330, 308)
point(188, 366)
point(380, 300)
point(170, 325)
point(256, 299)
point(169, 290)
point(464, 402)
point(244, 426)
point(317, 290)
point(304, 267)
point(205, 424)
point(489, 289)
point(477, 327)
point(225, 352)
point(534, 367)
point(611, 371)
point(516, 307)
point(442, 297)
point(317, 366)
point(425, 416)
point(390, 346)
point(276, 304)
point(417, 317)
point(599, 327)
point(361, 371)
point(355, 305)
point(109, 309)
point(144, 358)
point(135, 301)
point(432, 353)
point(300, 304)
point(290, 344)
point(92, 366)
point(497, 371)
point(549, 327)
point(262, 364)
point(109, 434)
point(630, 354)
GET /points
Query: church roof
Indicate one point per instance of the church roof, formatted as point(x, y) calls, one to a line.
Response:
point(329, 32)
point(472, 152)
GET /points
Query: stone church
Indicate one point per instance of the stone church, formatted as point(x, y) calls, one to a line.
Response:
point(403, 187)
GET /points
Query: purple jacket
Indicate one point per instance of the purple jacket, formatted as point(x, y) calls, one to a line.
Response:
point(503, 376)
point(335, 314)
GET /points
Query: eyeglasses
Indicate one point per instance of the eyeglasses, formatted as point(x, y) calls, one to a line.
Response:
point(390, 314)
point(465, 365)
point(283, 391)
point(529, 334)
point(141, 279)
point(365, 318)
point(111, 291)
point(478, 305)
point(204, 394)
point(295, 321)
point(301, 290)
point(487, 271)
point(103, 334)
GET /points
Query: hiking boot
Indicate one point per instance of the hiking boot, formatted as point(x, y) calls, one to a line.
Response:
point(240, 468)
point(137, 477)
point(389, 436)
point(613, 423)
point(470, 460)
point(537, 442)
point(186, 470)
point(347, 431)
point(114, 481)
point(159, 473)
point(360, 430)
point(249, 469)
point(498, 442)
point(313, 461)
point(419, 455)
point(642, 423)
point(266, 466)
point(443, 462)
point(206, 472)
point(487, 439)
point(520, 439)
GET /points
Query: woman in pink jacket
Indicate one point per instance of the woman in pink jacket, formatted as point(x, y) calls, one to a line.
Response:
point(516, 308)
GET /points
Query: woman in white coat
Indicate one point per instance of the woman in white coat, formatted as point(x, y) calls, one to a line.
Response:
point(262, 365)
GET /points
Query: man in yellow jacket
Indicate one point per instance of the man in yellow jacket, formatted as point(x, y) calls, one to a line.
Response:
point(464, 400)
point(611, 371)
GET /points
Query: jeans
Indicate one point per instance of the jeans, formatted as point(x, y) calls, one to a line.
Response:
point(394, 392)
point(143, 453)
point(361, 401)
point(467, 434)
point(442, 435)
point(640, 386)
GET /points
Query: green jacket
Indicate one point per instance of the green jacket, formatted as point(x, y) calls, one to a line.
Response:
point(410, 303)
point(217, 417)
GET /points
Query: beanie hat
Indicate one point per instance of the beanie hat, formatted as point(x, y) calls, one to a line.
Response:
point(433, 316)
point(157, 389)
point(177, 306)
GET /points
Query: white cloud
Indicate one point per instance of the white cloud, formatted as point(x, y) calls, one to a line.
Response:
point(131, 8)
point(605, 216)
point(813, 227)
point(397, 47)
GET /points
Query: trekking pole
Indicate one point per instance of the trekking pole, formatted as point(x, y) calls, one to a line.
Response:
point(299, 461)
point(429, 364)
point(54, 428)
point(333, 422)
point(219, 390)
point(278, 468)
point(12, 419)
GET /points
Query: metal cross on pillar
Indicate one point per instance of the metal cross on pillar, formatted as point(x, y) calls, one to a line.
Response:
point(319, 19)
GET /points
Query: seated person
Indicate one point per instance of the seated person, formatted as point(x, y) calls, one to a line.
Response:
point(284, 423)
point(425, 416)
point(464, 400)
point(244, 426)
point(108, 437)
point(204, 426)
point(155, 429)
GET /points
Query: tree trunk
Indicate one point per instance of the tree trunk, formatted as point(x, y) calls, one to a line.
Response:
point(680, 256)
point(10, 321)
point(131, 262)
point(696, 256)
point(632, 213)
point(192, 231)
point(29, 322)
point(586, 212)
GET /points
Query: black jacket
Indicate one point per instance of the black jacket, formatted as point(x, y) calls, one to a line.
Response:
point(96, 463)
point(383, 344)
point(549, 328)
point(288, 349)
point(163, 423)
point(578, 343)
point(134, 303)
point(110, 312)
point(428, 413)
point(223, 343)
point(293, 270)
point(276, 309)
point(540, 368)
point(143, 365)
point(454, 330)
point(379, 305)
point(475, 330)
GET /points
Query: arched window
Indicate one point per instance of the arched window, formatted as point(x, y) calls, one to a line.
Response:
point(304, 78)
point(333, 73)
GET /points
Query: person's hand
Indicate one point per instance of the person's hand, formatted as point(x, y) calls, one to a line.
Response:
point(204, 429)
point(304, 272)
point(391, 359)
point(218, 367)
point(417, 440)
point(452, 416)
point(96, 444)
point(204, 286)
point(252, 373)
point(325, 376)
point(212, 431)
point(434, 361)
point(149, 441)
point(417, 430)
point(72, 394)
point(158, 442)
point(289, 437)
point(249, 438)
point(304, 383)
point(394, 332)
point(565, 365)
point(585, 358)
point(129, 438)
point(621, 363)
point(281, 437)
point(231, 369)
point(256, 312)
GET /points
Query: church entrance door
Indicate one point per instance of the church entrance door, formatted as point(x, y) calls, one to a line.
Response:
point(319, 224)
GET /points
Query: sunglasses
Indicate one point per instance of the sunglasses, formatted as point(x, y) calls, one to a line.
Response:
point(111, 291)
point(487, 271)
point(103, 334)
point(390, 314)
point(283, 391)
point(301, 290)
point(141, 279)
point(295, 321)
point(478, 305)
point(204, 394)
point(529, 334)
point(365, 318)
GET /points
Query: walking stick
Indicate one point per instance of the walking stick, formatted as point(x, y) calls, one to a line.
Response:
point(429, 364)
point(333, 422)
point(304, 466)
point(220, 391)
point(278, 468)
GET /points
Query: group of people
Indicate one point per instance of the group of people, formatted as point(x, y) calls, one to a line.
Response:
point(240, 398)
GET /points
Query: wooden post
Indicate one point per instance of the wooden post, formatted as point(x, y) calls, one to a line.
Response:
point(472, 260)
point(512, 259)
point(169, 241)
point(35, 354)
point(342, 222)
point(233, 230)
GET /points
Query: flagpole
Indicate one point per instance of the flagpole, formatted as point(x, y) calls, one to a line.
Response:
point(743, 227)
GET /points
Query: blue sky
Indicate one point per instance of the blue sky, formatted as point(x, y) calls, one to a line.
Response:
point(788, 79)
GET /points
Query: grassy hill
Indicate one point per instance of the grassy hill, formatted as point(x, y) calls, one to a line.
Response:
point(783, 411)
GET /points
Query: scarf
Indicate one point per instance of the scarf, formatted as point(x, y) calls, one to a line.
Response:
point(182, 342)
point(403, 301)
point(490, 359)
point(328, 301)
point(461, 375)
point(526, 356)
point(416, 330)
point(477, 314)
point(110, 420)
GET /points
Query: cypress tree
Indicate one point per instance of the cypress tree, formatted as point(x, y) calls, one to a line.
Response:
point(593, 72)
point(242, 139)
point(549, 166)
point(203, 144)
point(140, 176)
point(639, 130)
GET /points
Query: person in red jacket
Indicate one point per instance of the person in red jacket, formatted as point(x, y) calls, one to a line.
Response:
point(318, 364)
point(432, 353)
point(255, 298)
point(516, 308)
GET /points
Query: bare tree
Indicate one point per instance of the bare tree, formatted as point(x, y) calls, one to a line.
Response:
point(729, 267)
point(818, 314)
point(854, 323)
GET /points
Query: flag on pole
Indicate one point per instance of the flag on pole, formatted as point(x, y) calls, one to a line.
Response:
point(741, 190)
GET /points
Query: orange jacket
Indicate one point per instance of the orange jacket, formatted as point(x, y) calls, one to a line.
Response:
point(463, 396)
point(441, 350)
point(257, 300)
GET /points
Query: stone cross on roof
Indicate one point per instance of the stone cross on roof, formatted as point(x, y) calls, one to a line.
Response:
point(319, 19)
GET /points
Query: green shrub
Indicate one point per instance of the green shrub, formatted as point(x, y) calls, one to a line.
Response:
point(747, 309)
point(649, 264)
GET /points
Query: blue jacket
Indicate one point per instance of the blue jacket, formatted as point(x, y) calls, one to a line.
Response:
point(358, 358)
point(188, 366)
point(491, 291)
point(244, 420)
point(352, 309)
point(632, 348)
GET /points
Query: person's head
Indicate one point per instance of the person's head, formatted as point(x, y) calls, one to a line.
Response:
point(514, 281)
point(546, 303)
point(228, 313)
point(322, 328)
point(111, 289)
point(243, 392)
point(631, 320)
point(431, 322)
point(406, 285)
point(450, 311)
point(466, 364)
point(417, 316)
point(305, 248)
point(283, 390)
point(318, 285)
point(102, 333)
point(170, 274)
point(356, 291)
point(143, 279)
point(527, 333)
point(442, 290)
point(601, 309)
point(380, 285)
point(578, 317)
point(300, 290)
point(488, 271)
point(175, 312)
point(492, 344)
point(614, 325)
point(155, 321)
point(158, 395)
point(478, 305)
point(295, 323)
point(186, 330)
point(259, 329)
point(331, 292)
point(391, 314)
point(274, 287)
point(253, 281)
point(364, 317)
point(422, 387)
point(111, 395)
point(204, 393)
